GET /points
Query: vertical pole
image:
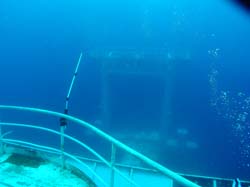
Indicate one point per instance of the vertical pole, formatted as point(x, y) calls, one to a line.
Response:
point(94, 169)
point(62, 128)
point(63, 121)
point(166, 103)
point(214, 183)
point(112, 163)
point(131, 175)
point(105, 95)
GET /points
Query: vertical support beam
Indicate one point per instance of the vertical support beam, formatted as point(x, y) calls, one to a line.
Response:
point(105, 95)
point(131, 173)
point(112, 163)
point(166, 108)
point(62, 139)
point(94, 169)
point(214, 183)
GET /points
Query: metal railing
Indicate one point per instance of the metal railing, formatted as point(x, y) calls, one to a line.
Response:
point(114, 142)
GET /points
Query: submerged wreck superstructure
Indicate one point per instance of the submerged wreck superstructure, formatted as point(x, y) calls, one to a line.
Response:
point(36, 151)
point(20, 157)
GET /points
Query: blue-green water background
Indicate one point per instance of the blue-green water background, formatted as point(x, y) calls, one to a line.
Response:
point(40, 42)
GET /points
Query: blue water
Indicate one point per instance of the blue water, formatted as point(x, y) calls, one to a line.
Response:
point(208, 130)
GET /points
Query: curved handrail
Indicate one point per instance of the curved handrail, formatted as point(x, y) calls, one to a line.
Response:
point(70, 138)
point(181, 180)
point(58, 133)
point(41, 147)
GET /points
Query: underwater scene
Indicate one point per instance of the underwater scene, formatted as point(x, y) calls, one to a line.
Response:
point(169, 78)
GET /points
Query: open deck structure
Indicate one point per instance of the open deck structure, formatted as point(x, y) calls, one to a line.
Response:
point(17, 152)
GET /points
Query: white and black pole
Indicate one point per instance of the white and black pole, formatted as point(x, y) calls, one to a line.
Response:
point(63, 121)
